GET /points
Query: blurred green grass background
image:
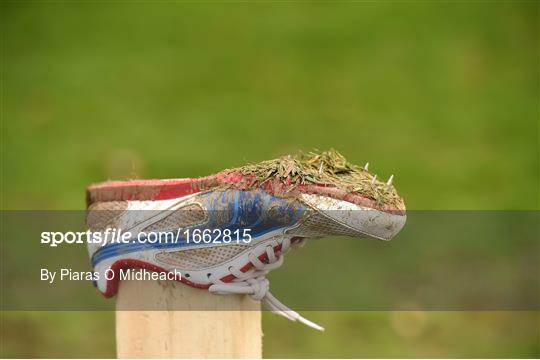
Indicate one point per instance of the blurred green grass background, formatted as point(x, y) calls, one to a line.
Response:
point(444, 95)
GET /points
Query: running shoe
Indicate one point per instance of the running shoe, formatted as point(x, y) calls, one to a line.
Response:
point(225, 232)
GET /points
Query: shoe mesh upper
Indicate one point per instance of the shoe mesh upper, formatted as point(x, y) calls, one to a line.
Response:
point(100, 215)
point(196, 259)
point(317, 225)
point(188, 215)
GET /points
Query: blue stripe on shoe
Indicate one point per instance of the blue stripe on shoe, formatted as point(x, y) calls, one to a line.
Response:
point(246, 209)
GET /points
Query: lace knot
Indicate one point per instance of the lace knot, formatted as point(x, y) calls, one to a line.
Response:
point(260, 287)
point(254, 283)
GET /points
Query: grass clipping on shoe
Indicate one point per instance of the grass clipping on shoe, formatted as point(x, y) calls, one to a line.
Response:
point(327, 168)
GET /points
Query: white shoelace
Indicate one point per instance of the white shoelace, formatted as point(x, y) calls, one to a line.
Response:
point(255, 284)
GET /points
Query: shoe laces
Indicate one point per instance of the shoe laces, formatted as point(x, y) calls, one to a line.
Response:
point(255, 284)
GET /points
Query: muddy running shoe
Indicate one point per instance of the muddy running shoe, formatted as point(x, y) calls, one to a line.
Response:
point(225, 232)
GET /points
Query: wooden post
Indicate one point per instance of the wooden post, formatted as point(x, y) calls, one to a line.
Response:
point(220, 326)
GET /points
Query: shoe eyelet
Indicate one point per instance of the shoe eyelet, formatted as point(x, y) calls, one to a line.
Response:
point(186, 275)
